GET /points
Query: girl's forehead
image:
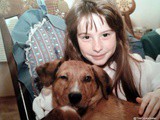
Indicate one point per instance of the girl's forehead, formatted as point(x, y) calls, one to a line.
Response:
point(93, 21)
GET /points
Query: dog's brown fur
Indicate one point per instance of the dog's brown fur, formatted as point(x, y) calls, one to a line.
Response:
point(62, 113)
point(92, 83)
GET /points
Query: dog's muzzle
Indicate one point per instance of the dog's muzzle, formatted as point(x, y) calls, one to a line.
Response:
point(75, 98)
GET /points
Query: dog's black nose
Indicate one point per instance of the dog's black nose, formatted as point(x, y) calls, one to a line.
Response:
point(75, 98)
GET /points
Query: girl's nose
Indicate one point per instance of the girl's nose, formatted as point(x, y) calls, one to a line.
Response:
point(97, 45)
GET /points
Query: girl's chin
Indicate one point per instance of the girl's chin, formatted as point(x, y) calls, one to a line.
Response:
point(99, 62)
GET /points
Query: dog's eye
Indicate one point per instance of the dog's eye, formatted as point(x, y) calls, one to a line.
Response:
point(63, 77)
point(87, 79)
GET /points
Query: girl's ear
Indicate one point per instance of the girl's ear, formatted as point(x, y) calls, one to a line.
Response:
point(103, 81)
point(47, 71)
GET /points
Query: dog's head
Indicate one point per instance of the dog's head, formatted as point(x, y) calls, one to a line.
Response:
point(75, 82)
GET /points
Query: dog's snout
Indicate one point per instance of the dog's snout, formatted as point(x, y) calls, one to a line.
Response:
point(75, 98)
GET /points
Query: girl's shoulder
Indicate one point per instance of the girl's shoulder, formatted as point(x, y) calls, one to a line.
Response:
point(136, 57)
point(144, 63)
point(144, 66)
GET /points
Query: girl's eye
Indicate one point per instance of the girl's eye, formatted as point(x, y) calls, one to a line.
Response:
point(105, 34)
point(85, 37)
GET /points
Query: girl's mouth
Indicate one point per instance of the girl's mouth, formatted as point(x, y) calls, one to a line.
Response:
point(98, 57)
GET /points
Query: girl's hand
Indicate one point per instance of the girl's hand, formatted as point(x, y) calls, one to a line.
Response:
point(150, 105)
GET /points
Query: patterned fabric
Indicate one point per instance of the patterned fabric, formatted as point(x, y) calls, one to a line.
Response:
point(4, 7)
point(57, 7)
point(46, 44)
point(28, 4)
point(35, 29)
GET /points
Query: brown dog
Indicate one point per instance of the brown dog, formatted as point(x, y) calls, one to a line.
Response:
point(87, 88)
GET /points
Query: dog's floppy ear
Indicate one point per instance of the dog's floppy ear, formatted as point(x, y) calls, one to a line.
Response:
point(47, 71)
point(103, 80)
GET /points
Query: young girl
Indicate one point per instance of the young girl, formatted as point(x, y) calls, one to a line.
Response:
point(96, 34)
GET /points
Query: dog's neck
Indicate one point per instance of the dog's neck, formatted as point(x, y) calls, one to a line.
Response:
point(95, 99)
point(92, 104)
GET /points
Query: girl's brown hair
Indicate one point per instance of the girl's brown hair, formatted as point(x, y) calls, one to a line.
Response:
point(123, 72)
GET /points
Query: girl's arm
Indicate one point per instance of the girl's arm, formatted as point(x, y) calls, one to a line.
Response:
point(150, 89)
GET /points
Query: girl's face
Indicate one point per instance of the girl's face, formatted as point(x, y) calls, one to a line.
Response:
point(99, 43)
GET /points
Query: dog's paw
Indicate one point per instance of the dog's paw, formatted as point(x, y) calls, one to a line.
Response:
point(62, 113)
